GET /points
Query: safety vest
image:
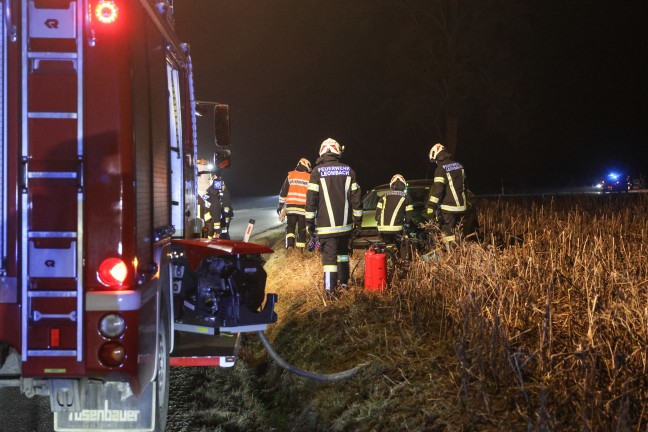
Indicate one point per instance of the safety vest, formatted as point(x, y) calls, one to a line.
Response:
point(293, 192)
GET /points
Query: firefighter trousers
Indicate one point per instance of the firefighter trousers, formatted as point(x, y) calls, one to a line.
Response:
point(295, 230)
point(448, 223)
point(335, 261)
point(225, 229)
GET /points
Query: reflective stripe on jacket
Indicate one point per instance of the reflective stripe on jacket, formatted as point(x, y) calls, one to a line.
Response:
point(449, 188)
point(393, 208)
point(333, 197)
point(293, 192)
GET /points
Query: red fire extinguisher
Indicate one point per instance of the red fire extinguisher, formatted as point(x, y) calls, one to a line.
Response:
point(375, 277)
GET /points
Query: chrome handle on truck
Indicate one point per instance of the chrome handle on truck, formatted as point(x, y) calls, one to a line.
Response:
point(11, 28)
point(72, 316)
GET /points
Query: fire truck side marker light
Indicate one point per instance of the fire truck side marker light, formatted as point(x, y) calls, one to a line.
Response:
point(55, 371)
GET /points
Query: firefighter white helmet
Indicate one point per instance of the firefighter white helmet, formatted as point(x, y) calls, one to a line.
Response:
point(330, 146)
point(304, 162)
point(397, 178)
point(435, 150)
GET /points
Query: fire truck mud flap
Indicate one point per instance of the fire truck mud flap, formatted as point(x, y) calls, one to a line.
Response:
point(110, 407)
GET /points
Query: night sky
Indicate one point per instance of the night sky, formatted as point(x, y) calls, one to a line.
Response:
point(553, 93)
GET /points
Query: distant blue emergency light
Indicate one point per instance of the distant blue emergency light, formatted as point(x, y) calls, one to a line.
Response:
point(613, 176)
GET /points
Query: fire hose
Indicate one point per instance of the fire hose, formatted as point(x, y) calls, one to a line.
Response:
point(305, 374)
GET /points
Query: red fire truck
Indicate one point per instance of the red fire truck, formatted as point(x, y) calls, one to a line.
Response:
point(104, 279)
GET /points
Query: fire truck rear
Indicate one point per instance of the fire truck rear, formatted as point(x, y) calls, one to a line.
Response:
point(104, 279)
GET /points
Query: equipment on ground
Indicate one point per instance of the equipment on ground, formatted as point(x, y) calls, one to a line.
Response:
point(375, 276)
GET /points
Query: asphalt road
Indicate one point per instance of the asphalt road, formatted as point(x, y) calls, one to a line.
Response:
point(21, 414)
point(262, 209)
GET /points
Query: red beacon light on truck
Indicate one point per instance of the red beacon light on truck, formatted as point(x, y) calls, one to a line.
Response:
point(106, 11)
point(112, 272)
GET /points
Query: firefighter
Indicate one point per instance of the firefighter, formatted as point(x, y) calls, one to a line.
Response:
point(292, 199)
point(447, 203)
point(394, 209)
point(227, 212)
point(218, 209)
point(333, 205)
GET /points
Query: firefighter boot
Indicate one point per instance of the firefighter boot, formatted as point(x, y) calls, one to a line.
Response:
point(343, 269)
point(330, 279)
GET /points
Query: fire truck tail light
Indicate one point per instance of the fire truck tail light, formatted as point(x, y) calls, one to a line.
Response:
point(112, 354)
point(112, 326)
point(112, 272)
point(106, 11)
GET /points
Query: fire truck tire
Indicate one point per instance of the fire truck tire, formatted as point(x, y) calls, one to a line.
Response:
point(162, 379)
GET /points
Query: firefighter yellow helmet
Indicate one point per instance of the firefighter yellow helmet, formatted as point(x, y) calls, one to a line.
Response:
point(435, 150)
point(330, 146)
point(304, 162)
point(397, 178)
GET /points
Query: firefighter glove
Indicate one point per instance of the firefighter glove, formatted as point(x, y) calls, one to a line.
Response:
point(279, 209)
point(357, 223)
point(310, 227)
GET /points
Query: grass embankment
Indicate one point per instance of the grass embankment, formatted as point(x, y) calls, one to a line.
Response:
point(543, 326)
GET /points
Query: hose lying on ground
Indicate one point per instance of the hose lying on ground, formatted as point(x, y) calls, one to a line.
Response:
point(302, 373)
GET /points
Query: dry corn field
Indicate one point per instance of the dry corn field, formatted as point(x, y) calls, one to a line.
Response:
point(543, 326)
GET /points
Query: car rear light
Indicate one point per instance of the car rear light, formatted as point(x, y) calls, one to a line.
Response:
point(112, 272)
point(106, 11)
point(112, 354)
point(112, 326)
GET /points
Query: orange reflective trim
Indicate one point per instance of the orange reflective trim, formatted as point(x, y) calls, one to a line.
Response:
point(298, 181)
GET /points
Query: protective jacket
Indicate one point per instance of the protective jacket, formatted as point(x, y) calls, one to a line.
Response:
point(333, 200)
point(218, 207)
point(449, 188)
point(393, 208)
point(293, 191)
point(227, 212)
